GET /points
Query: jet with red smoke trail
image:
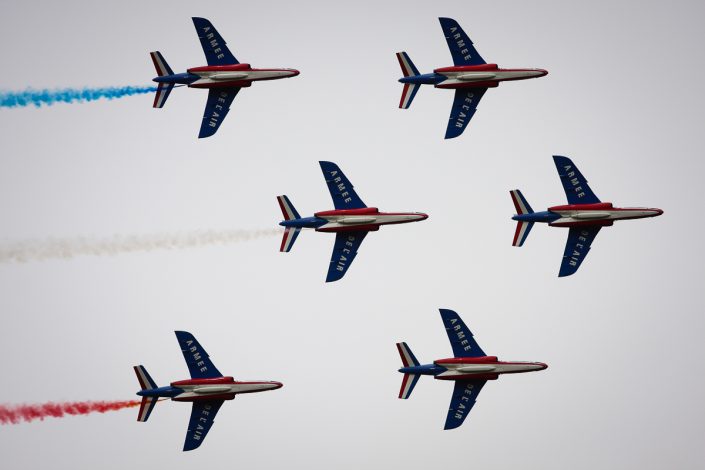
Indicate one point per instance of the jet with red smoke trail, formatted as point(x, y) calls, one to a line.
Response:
point(223, 77)
point(207, 389)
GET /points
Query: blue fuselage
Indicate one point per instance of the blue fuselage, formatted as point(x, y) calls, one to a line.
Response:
point(168, 392)
point(543, 216)
point(304, 222)
point(177, 78)
point(424, 79)
point(425, 369)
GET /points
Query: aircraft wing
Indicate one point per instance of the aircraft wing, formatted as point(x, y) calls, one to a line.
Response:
point(464, 107)
point(459, 43)
point(340, 187)
point(213, 44)
point(344, 252)
point(577, 247)
point(217, 107)
point(199, 366)
point(202, 418)
point(464, 395)
point(574, 183)
point(460, 336)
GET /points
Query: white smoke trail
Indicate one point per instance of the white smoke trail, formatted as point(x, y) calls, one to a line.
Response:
point(65, 248)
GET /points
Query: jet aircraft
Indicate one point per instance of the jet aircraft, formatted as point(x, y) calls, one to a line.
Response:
point(351, 221)
point(224, 76)
point(469, 368)
point(207, 389)
point(470, 77)
point(585, 214)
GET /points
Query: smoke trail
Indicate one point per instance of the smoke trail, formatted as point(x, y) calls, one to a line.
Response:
point(13, 414)
point(14, 99)
point(37, 250)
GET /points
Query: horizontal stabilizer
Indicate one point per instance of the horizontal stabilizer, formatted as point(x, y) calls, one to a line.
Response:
point(408, 94)
point(146, 408)
point(521, 232)
point(289, 238)
point(161, 95)
point(407, 385)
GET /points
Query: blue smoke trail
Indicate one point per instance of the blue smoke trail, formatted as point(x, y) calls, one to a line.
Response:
point(15, 99)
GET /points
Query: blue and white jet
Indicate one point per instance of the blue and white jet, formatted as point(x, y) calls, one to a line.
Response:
point(470, 368)
point(207, 390)
point(224, 76)
point(470, 77)
point(351, 221)
point(584, 214)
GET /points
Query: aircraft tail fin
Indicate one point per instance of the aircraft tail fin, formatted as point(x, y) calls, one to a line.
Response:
point(520, 203)
point(146, 383)
point(288, 210)
point(523, 227)
point(160, 64)
point(409, 380)
point(407, 66)
point(410, 89)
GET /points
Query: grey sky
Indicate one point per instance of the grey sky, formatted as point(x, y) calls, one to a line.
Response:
point(623, 337)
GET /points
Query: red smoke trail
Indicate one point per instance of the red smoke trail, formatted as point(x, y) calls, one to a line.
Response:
point(13, 414)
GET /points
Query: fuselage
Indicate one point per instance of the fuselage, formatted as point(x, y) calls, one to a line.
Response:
point(225, 76)
point(472, 368)
point(369, 218)
point(221, 388)
point(576, 215)
point(472, 76)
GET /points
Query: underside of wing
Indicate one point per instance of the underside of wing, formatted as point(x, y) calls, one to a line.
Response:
point(576, 248)
point(217, 107)
point(464, 107)
point(460, 336)
point(202, 419)
point(574, 183)
point(464, 396)
point(459, 44)
point(340, 188)
point(344, 252)
point(199, 365)
point(213, 44)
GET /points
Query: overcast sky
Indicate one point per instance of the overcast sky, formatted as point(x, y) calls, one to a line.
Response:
point(623, 337)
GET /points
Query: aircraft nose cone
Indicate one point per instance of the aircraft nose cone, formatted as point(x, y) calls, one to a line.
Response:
point(295, 73)
point(542, 365)
point(659, 211)
point(423, 216)
point(277, 385)
point(543, 72)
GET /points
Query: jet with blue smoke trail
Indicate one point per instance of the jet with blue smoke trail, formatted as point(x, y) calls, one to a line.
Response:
point(16, 99)
point(223, 77)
